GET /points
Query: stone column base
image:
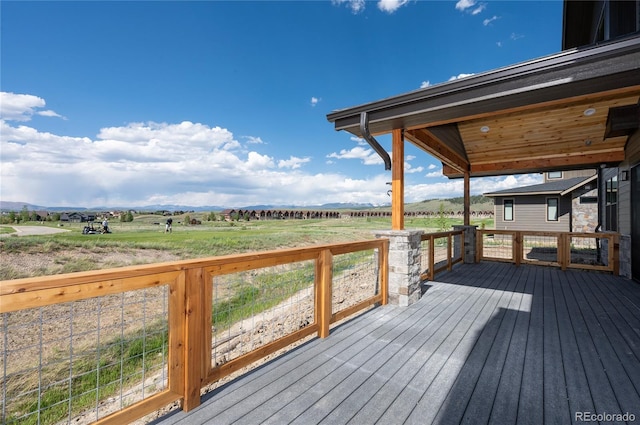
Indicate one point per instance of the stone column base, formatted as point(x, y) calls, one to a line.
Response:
point(469, 253)
point(404, 265)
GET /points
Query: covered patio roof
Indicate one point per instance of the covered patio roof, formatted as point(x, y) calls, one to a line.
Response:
point(570, 110)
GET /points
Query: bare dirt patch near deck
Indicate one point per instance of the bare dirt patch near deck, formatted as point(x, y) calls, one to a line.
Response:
point(37, 263)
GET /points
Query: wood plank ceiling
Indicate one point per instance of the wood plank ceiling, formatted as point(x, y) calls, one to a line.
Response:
point(564, 134)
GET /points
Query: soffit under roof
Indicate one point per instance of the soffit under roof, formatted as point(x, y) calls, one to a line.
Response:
point(546, 114)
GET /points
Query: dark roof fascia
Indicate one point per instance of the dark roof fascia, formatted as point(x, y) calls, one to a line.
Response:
point(566, 74)
point(579, 184)
point(548, 188)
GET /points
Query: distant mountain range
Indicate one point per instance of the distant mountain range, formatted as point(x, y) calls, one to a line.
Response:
point(18, 206)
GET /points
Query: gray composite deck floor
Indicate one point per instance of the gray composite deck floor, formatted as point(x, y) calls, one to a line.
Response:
point(487, 343)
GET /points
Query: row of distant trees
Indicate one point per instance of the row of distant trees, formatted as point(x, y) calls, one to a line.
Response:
point(24, 215)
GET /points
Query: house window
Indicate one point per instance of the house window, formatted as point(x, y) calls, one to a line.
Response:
point(508, 210)
point(588, 199)
point(552, 209)
point(611, 205)
point(554, 175)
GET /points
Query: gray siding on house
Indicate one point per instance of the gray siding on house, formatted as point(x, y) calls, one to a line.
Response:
point(571, 174)
point(632, 153)
point(530, 213)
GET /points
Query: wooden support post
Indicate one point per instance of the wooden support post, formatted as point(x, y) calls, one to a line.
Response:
point(517, 248)
point(194, 337)
point(614, 254)
point(177, 324)
point(432, 258)
point(564, 250)
point(467, 199)
point(324, 277)
point(383, 257)
point(397, 180)
point(449, 250)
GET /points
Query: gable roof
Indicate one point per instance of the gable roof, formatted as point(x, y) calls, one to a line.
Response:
point(550, 113)
point(559, 187)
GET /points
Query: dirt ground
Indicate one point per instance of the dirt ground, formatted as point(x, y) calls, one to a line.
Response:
point(28, 264)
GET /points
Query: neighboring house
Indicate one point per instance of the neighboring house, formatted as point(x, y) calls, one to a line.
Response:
point(567, 201)
point(76, 217)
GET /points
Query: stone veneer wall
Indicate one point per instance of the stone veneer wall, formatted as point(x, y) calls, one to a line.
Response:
point(624, 254)
point(404, 265)
point(469, 238)
point(584, 216)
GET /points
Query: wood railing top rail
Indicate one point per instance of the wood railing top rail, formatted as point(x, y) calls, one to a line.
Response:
point(545, 233)
point(426, 236)
point(220, 264)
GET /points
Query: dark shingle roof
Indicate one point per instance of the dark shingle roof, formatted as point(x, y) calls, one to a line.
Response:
point(549, 188)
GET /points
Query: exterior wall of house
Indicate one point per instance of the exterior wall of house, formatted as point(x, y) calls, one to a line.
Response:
point(530, 213)
point(624, 187)
point(624, 200)
point(571, 174)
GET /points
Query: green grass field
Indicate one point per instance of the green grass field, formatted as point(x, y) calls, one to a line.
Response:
point(207, 239)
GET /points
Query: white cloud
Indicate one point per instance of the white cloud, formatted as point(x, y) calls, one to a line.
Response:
point(254, 140)
point(408, 169)
point(293, 162)
point(470, 6)
point(410, 157)
point(367, 156)
point(434, 174)
point(22, 107)
point(255, 161)
point(463, 5)
point(314, 101)
point(356, 6)
point(432, 167)
point(515, 36)
point(191, 164)
point(167, 163)
point(490, 20)
point(390, 6)
point(454, 188)
point(425, 84)
point(457, 77)
point(481, 7)
point(359, 140)
point(499, 43)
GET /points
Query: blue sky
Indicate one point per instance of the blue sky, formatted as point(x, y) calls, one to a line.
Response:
point(224, 103)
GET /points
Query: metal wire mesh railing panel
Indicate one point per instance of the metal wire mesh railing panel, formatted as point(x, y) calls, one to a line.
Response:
point(424, 256)
point(254, 308)
point(585, 251)
point(457, 251)
point(497, 246)
point(440, 252)
point(80, 361)
point(355, 278)
point(540, 249)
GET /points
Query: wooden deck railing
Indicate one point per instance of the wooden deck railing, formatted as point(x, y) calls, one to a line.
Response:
point(590, 251)
point(189, 287)
point(440, 251)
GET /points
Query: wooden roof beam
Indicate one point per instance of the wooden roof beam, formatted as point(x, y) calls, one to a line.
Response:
point(426, 141)
point(537, 165)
